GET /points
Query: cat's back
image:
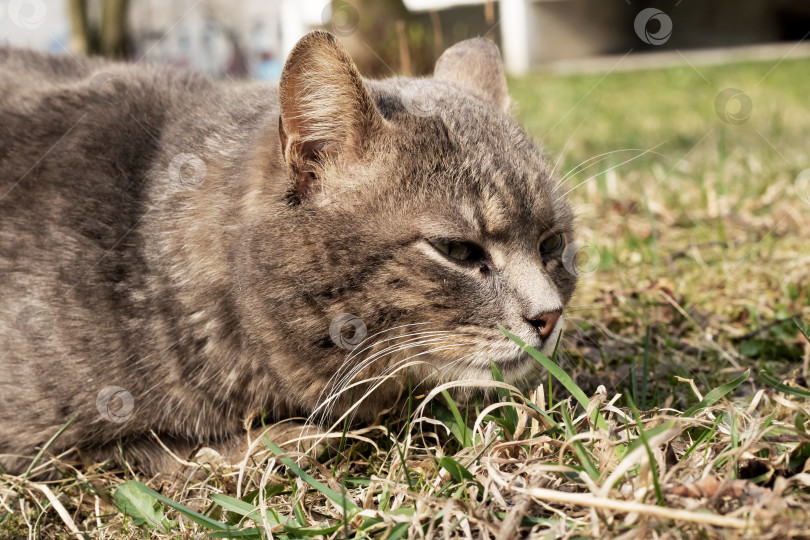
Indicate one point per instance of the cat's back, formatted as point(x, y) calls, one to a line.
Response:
point(23, 70)
point(109, 111)
point(31, 74)
point(85, 146)
point(78, 141)
point(68, 150)
point(48, 99)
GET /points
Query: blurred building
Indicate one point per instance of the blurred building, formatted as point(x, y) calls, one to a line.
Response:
point(251, 38)
point(545, 31)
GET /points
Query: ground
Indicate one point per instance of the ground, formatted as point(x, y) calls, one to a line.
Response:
point(684, 344)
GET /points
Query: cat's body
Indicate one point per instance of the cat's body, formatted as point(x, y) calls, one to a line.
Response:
point(182, 247)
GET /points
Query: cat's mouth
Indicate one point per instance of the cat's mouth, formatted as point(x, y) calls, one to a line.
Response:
point(514, 363)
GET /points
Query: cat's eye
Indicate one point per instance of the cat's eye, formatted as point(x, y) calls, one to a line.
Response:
point(459, 251)
point(552, 244)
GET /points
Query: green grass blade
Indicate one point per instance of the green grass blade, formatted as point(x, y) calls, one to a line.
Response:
point(270, 490)
point(301, 531)
point(633, 381)
point(232, 504)
point(298, 511)
point(398, 531)
point(458, 427)
point(246, 533)
point(458, 471)
point(642, 434)
point(48, 444)
point(329, 493)
point(196, 517)
point(510, 415)
point(558, 374)
point(707, 435)
point(712, 397)
point(579, 448)
point(652, 432)
point(802, 328)
point(245, 509)
point(645, 370)
point(774, 382)
point(36, 459)
point(141, 507)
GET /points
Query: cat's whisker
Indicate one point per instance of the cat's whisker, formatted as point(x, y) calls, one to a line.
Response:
point(651, 150)
point(381, 380)
point(442, 368)
point(347, 365)
point(447, 367)
point(343, 372)
point(358, 350)
point(583, 307)
point(375, 357)
point(413, 341)
point(385, 375)
point(414, 336)
point(345, 385)
point(339, 389)
point(562, 153)
point(435, 368)
point(599, 157)
point(605, 154)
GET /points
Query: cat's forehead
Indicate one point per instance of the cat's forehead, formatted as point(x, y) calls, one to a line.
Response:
point(498, 203)
point(456, 122)
point(472, 157)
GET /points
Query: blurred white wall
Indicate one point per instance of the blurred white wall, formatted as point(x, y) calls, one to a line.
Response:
point(35, 24)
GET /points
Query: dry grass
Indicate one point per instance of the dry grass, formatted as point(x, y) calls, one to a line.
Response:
point(702, 267)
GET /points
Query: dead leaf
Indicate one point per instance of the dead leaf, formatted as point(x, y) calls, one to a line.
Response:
point(710, 486)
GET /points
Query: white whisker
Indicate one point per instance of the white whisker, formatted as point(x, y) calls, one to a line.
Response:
point(610, 169)
point(335, 392)
point(562, 152)
point(381, 379)
point(358, 350)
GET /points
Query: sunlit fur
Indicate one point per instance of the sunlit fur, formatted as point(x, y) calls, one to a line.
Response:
point(210, 302)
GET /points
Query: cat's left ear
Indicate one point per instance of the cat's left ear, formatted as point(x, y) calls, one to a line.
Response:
point(475, 64)
point(326, 111)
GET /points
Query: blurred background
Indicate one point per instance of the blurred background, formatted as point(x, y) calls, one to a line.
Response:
point(250, 38)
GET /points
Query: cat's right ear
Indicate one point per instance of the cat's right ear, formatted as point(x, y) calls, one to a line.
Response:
point(475, 64)
point(326, 111)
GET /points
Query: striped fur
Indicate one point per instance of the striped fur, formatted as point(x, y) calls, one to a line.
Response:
point(209, 298)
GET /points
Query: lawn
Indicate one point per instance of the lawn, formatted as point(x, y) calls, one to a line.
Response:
point(682, 407)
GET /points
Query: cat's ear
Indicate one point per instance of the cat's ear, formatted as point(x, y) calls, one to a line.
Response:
point(326, 111)
point(476, 65)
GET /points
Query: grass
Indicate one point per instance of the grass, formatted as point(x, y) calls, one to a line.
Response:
point(680, 408)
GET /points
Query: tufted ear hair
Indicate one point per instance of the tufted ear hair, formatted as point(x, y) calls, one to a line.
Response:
point(475, 64)
point(326, 111)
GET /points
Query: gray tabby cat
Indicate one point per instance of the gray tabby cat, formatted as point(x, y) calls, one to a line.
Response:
point(177, 254)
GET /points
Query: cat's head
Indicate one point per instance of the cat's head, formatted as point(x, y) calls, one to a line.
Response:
point(420, 207)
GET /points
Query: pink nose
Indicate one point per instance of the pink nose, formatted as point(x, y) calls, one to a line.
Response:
point(545, 322)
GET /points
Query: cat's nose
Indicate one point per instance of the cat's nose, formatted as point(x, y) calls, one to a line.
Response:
point(544, 323)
